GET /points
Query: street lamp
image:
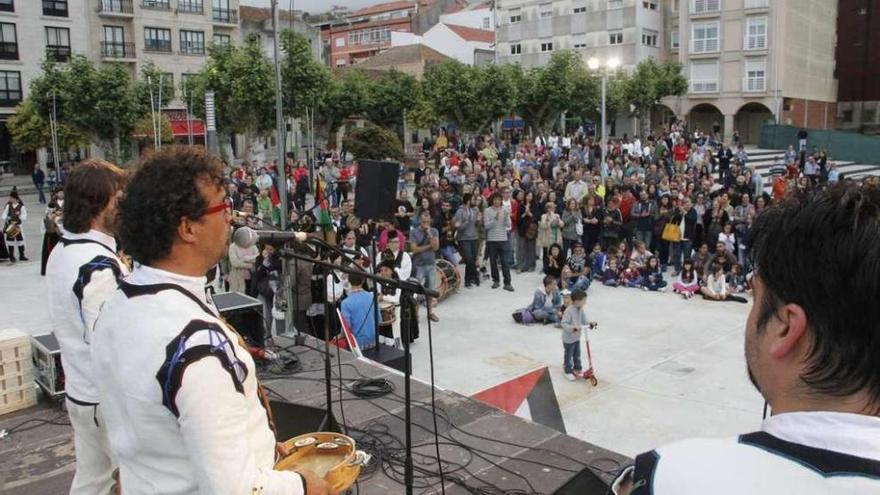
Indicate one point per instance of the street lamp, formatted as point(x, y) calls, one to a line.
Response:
point(609, 65)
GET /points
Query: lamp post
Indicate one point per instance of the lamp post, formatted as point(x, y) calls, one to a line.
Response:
point(609, 65)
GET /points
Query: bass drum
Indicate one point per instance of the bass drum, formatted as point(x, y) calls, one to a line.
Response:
point(448, 278)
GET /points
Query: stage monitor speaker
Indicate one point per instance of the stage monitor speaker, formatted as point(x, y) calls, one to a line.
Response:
point(294, 419)
point(585, 482)
point(376, 195)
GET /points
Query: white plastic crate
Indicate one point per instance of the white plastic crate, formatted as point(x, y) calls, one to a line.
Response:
point(18, 398)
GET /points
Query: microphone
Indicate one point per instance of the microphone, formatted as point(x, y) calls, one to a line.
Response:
point(246, 237)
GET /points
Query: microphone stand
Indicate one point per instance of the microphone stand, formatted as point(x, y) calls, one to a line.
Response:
point(408, 289)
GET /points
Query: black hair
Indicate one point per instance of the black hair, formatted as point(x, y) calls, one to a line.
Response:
point(578, 294)
point(549, 279)
point(808, 248)
point(164, 189)
point(356, 279)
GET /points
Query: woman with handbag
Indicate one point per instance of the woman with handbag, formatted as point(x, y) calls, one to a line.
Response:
point(549, 228)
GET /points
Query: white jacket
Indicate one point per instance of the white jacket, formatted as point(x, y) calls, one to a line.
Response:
point(81, 275)
point(180, 394)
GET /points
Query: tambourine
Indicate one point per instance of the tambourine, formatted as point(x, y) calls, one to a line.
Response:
point(331, 456)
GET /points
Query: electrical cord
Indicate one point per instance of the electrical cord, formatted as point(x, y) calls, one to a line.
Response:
point(433, 398)
point(32, 423)
point(371, 389)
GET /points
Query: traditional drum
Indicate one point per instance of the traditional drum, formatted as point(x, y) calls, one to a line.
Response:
point(448, 278)
point(387, 311)
point(331, 456)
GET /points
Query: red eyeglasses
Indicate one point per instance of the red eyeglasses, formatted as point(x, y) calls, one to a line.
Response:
point(224, 206)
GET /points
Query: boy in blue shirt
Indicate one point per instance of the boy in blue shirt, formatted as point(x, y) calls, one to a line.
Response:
point(360, 312)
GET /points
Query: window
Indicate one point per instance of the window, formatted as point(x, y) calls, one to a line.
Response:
point(579, 9)
point(10, 88)
point(58, 44)
point(705, 6)
point(340, 41)
point(649, 37)
point(514, 16)
point(615, 4)
point(650, 4)
point(8, 41)
point(615, 37)
point(114, 44)
point(57, 8)
point(340, 63)
point(547, 46)
point(580, 41)
point(369, 36)
point(868, 115)
point(157, 40)
point(704, 76)
point(190, 6)
point(515, 49)
point(222, 12)
point(546, 10)
point(157, 4)
point(487, 23)
point(223, 39)
point(705, 37)
point(7, 5)
point(192, 42)
point(673, 39)
point(756, 4)
point(756, 74)
point(675, 5)
point(847, 116)
point(756, 33)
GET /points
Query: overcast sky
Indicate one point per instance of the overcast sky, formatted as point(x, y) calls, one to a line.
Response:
point(313, 6)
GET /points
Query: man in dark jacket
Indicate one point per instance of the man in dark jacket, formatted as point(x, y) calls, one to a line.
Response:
point(687, 215)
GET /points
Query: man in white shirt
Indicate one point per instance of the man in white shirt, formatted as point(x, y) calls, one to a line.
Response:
point(82, 273)
point(815, 360)
point(577, 188)
point(183, 408)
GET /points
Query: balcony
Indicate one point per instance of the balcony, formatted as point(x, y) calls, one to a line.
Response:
point(58, 53)
point(190, 7)
point(157, 46)
point(156, 4)
point(197, 49)
point(225, 16)
point(7, 6)
point(10, 98)
point(119, 50)
point(116, 8)
point(55, 8)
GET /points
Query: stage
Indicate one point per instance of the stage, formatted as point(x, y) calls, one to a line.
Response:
point(481, 447)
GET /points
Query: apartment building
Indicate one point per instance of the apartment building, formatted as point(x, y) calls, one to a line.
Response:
point(754, 61)
point(173, 34)
point(529, 31)
point(257, 22)
point(30, 32)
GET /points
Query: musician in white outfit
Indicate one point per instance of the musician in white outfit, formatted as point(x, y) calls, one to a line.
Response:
point(82, 273)
point(812, 345)
point(183, 408)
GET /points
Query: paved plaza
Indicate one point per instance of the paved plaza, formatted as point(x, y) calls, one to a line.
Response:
point(668, 368)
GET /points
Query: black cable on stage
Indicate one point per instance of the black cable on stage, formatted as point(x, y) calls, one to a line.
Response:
point(433, 398)
point(36, 422)
point(370, 389)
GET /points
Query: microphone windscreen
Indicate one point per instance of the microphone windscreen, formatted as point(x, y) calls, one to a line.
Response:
point(245, 237)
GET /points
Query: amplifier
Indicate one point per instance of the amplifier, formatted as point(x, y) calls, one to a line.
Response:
point(387, 355)
point(48, 372)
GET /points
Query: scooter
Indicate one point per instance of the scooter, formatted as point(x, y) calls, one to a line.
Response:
point(590, 373)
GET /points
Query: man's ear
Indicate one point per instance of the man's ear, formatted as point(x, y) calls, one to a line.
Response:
point(788, 332)
point(187, 231)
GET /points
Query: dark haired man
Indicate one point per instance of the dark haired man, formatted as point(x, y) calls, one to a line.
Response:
point(497, 222)
point(816, 361)
point(182, 405)
point(82, 274)
point(360, 312)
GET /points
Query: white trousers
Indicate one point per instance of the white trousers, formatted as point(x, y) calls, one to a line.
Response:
point(94, 462)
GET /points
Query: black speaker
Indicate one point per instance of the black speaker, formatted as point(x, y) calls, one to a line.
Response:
point(294, 419)
point(585, 482)
point(387, 355)
point(376, 195)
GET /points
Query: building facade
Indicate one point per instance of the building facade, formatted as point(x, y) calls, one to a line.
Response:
point(32, 32)
point(754, 61)
point(464, 34)
point(529, 31)
point(857, 70)
point(258, 22)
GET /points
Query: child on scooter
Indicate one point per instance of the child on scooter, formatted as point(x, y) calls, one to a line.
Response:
point(574, 321)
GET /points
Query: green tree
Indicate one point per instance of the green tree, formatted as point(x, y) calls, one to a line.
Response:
point(100, 102)
point(650, 82)
point(243, 82)
point(472, 97)
point(374, 143)
point(304, 79)
point(346, 95)
point(544, 93)
point(389, 96)
point(150, 76)
point(30, 131)
point(143, 129)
